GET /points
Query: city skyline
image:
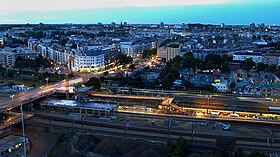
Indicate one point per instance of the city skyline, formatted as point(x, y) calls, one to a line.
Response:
point(135, 12)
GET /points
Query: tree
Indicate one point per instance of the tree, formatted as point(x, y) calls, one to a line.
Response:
point(215, 60)
point(225, 67)
point(250, 63)
point(74, 46)
point(212, 88)
point(179, 149)
point(276, 45)
point(232, 85)
point(2, 71)
point(272, 68)
point(42, 62)
point(106, 73)
point(167, 82)
point(257, 154)
point(148, 53)
point(93, 82)
point(261, 66)
point(240, 153)
point(189, 62)
point(138, 81)
point(167, 41)
point(187, 84)
point(122, 59)
point(26, 63)
point(277, 73)
point(19, 58)
point(11, 83)
point(132, 67)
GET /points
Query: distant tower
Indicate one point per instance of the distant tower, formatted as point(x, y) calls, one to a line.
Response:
point(183, 24)
point(113, 24)
point(252, 26)
point(121, 24)
point(222, 25)
point(161, 25)
point(261, 27)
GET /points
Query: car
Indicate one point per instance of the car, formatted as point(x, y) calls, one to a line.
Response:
point(226, 127)
point(203, 123)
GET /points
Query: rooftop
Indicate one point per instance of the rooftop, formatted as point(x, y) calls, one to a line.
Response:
point(84, 105)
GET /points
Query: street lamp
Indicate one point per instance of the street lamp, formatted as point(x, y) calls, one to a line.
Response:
point(23, 133)
point(274, 100)
point(41, 90)
point(47, 80)
point(12, 96)
point(208, 96)
point(22, 87)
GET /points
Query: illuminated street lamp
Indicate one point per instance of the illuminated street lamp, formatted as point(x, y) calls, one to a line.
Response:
point(64, 81)
point(22, 87)
point(47, 80)
point(208, 96)
point(12, 96)
point(41, 90)
point(274, 100)
point(23, 133)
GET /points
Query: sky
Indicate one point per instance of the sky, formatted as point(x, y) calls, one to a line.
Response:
point(140, 11)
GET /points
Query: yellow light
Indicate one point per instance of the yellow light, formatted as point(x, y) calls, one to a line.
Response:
point(199, 114)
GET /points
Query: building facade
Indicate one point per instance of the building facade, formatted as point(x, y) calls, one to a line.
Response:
point(8, 56)
point(168, 53)
point(90, 61)
point(257, 58)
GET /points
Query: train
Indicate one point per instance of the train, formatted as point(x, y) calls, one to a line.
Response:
point(274, 109)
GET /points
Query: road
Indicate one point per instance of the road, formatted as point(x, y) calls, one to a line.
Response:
point(8, 103)
point(13, 120)
point(24, 96)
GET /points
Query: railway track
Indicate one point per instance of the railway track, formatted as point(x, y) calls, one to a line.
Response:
point(144, 129)
point(198, 141)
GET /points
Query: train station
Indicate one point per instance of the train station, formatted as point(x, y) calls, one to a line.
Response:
point(88, 108)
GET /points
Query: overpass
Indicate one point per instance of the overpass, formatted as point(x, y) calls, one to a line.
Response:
point(7, 104)
point(14, 119)
point(29, 96)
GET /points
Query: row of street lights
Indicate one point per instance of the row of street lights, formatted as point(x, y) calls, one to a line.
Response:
point(47, 80)
point(22, 116)
point(22, 122)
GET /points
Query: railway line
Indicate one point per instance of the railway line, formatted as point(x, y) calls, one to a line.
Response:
point(64, 118)
point(106, 129)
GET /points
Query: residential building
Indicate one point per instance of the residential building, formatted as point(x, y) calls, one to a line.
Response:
point(8, 55)
point(221, 87)
point(128, 50)
point(168, 53)
point(270, 59)
point(256, 57)
point(1, 41)
point(92, 60)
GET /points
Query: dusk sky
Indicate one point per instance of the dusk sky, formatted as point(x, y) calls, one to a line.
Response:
point(141, 11)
